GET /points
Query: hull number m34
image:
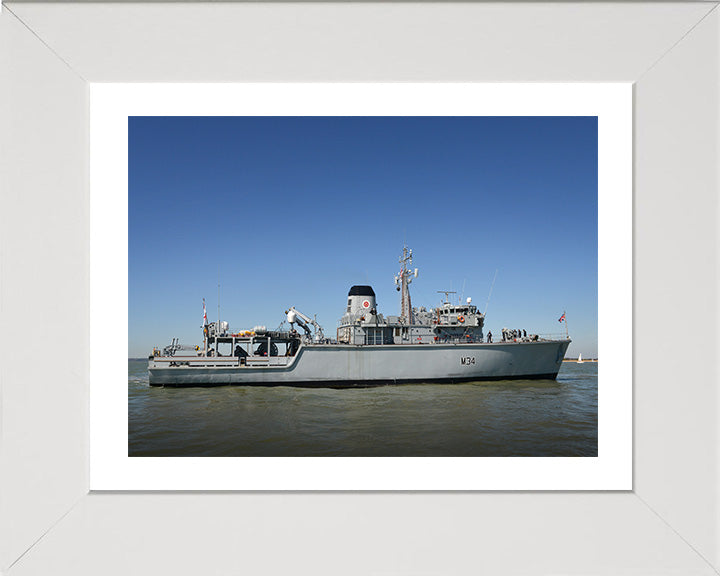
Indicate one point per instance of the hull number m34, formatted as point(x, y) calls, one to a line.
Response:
point(467, 360)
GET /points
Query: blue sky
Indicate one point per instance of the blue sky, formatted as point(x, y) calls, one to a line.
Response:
point(293, 211)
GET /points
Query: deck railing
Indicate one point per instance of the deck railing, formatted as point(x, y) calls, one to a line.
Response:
point(218, 361)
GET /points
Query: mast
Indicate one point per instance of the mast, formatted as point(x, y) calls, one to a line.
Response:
point(404, 278)
point(217, 326)
point(490, 293)
point(205, 330)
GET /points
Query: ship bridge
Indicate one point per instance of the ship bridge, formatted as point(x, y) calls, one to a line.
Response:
point(450, 314)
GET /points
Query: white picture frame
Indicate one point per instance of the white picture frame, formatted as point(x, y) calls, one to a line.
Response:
point(668, 523)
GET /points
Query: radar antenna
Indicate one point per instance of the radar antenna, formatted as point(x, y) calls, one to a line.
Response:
point(447, 295)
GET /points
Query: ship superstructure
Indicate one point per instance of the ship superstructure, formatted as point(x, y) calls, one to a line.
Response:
point(362, 324)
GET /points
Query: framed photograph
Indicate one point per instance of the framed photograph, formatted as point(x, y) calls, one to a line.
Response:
point(68, 479)
point(311, 131)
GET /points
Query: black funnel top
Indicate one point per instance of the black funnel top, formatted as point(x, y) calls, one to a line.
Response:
point(361, 291)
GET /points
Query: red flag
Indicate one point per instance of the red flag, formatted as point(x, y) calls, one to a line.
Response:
point(204, 314)
point(562, 318)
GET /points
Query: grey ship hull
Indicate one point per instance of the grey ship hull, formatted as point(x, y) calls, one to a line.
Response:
point(347, 366)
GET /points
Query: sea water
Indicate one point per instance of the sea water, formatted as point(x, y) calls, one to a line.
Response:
point(505, 418)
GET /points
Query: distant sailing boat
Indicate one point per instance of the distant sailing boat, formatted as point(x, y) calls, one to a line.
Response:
point(579, 360)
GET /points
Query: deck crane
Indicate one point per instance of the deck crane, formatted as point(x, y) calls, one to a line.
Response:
point(302, 320)
point(175, 346)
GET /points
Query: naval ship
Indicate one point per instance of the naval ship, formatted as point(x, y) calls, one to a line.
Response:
point(441, 345)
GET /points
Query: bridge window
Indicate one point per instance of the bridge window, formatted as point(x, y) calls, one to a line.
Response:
point(374, 336)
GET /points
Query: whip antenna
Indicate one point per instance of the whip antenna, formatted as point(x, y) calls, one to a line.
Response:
point(491, 289)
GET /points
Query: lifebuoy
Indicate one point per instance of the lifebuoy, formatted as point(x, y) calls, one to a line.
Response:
point(461, 319)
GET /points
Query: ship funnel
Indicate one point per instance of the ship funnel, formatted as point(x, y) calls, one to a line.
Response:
point(361, 300)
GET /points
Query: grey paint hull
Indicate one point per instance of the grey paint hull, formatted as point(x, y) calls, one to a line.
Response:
point(336, 365)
